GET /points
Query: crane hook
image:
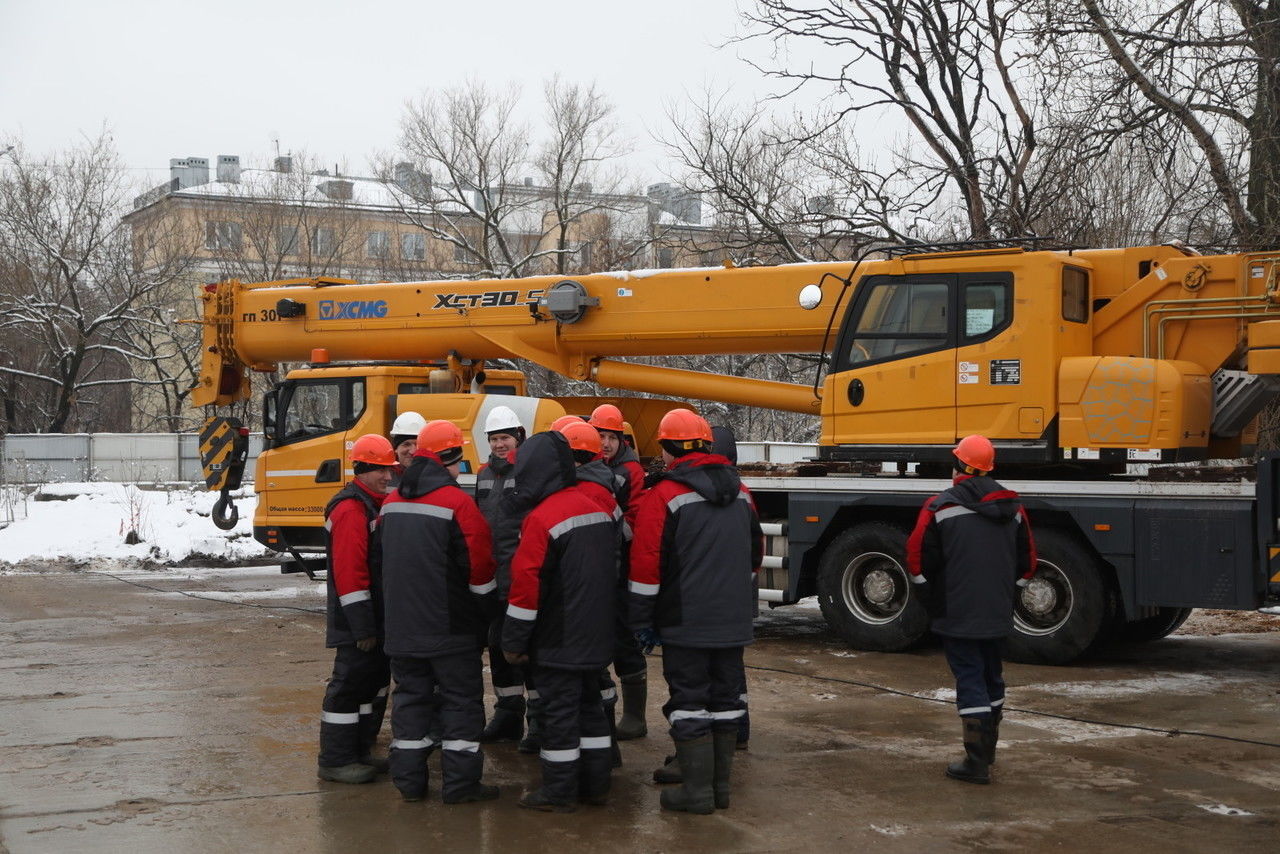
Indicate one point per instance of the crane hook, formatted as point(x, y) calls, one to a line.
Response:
point(220, 517)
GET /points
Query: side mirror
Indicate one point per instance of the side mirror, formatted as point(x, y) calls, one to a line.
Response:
point(269, 405)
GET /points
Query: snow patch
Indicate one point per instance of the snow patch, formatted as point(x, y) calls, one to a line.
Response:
point(91, 521)
point(1171, 683)
point(1223, 809)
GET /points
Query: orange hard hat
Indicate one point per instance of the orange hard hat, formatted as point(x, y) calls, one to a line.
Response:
point(976, 452)
point(682, 425)
point(606, 416)
point(373, 449)
point(566, 419)
point(707, 435)
point(440, 436)
point(582, 437)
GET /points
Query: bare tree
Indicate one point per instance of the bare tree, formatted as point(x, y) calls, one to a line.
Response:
point(69, 287)
point(506, 199)
point(782, 196)
point(957, 72)
point(1195, 82)
point(577, 164)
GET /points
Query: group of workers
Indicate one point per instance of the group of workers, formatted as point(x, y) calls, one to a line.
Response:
point(564, 563)
point(568, 560)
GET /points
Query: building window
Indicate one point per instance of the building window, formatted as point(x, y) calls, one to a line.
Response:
point(461, 255)
point(666, 257)
point(322, 241)
point(584, 255)
point(413, 247)
point(221, 236)
point(287, 240)
point(376, 244)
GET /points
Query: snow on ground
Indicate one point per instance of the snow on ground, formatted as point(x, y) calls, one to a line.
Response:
point(90, 521)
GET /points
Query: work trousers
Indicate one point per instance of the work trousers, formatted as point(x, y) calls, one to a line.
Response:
point(977, 667)
point(355, 702)
point(575, 754)
point(628, 660)
point(509, 680)
point(452, 688)
point(706, 690)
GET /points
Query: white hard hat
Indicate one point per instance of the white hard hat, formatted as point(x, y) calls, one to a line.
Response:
point(502, 419)
point(408, 424)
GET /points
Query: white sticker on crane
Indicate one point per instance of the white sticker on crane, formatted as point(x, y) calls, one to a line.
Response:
point(967, 373)
point(1088, 454)
point(624, 292)
point(1144, 454)
point(1161, 274)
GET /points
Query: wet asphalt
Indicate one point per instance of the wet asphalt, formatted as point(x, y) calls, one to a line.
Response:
point(179, 711)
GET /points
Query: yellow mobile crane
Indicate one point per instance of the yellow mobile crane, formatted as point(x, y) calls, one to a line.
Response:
point(1074, 362)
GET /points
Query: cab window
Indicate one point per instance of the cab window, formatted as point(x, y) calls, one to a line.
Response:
point(1075, 294)
point(898, 318)
point(986, 309)
point(317, 407)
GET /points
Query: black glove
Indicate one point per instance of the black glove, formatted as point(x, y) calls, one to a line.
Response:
point(647, 639)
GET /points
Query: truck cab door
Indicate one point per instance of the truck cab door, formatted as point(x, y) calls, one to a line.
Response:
point(993, 396)
point(306, 465)
point(893, 378)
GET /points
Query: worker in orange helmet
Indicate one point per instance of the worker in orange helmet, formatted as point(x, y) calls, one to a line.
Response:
point(970, 549)
point(565, 419)
point(356, 697)
point(440, 598)
point(628, 486)
point(696, 549)
point(560, 611)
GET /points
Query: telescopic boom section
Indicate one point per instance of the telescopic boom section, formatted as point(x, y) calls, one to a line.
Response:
point(574, 326)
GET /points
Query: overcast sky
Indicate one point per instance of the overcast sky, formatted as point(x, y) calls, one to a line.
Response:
point(172, 79)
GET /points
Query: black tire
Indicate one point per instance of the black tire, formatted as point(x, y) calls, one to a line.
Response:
point(865, 594)
point(1061, 613)
point(1164, 623)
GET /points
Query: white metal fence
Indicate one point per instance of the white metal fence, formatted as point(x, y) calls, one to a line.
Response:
point(175, 457)
point(118, 457)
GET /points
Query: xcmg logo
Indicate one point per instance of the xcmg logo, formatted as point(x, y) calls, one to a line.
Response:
point(357, 309)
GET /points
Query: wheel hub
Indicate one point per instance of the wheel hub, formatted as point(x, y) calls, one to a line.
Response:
point(878, 587)
point(874, 588)
point(1039, 597)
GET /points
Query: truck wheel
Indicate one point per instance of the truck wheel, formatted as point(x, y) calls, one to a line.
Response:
point(1060, 613)
point(1164, 623)
point(864, 590)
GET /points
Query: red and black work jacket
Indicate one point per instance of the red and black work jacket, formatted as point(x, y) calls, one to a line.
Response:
point(495, 489)
point(696, 550)
point(972, 543)
point(628, 477)
point(355, 568)
point(564, 575)
point(437, 565)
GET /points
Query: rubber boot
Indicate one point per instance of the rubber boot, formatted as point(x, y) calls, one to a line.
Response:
point(635, 694)
point(507, 724)
point(532, 741)
point(993, 737)
point(669, 772)
point(725, 745)
point(539, 800)
point(744, 729)
point(615, 752)
point(697, 762)
point(353, 773)
point(974, 767)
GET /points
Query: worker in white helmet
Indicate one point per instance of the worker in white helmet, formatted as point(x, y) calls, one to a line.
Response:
point(404, 441)
point(494, 484)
